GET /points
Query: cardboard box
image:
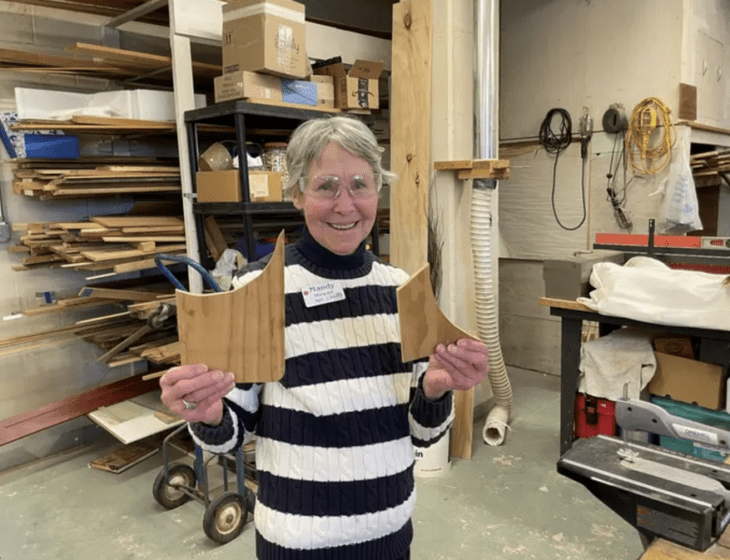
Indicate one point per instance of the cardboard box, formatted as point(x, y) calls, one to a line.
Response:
point(325, 89)
point(356, 89)
point(716, 418)
point(569, 278)
point(674, 345)
point(688, 381)
point(223, 186)
point(247, 85)
point(264, 36)
point(299, 91)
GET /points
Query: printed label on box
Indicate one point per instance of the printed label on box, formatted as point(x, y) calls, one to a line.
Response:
point(258, 185)
point(285, 46)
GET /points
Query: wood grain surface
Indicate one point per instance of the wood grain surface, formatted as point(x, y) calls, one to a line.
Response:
point(241, 331)
point(410, 130)
point(422, 324)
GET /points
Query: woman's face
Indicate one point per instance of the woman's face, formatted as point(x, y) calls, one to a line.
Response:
point(342, 223)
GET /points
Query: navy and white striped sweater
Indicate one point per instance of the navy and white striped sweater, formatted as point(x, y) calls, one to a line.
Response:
point(334, 437)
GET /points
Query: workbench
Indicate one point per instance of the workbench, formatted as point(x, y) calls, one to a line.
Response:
point(714, 349)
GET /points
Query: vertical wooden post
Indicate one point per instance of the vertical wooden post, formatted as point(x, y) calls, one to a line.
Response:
point(410, 124)
point(410, 133)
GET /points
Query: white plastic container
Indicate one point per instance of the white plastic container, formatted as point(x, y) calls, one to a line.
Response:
point(433, 461)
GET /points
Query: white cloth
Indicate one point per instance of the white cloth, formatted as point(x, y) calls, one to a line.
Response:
point(645, 289)
point(609, 362)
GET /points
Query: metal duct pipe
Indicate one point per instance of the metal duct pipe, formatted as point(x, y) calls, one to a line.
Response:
point(486, 111)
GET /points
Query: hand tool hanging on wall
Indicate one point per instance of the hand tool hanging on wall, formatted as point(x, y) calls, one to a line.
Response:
point(614, 122)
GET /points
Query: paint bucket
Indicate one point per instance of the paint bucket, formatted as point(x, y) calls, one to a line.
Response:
point(432, 461)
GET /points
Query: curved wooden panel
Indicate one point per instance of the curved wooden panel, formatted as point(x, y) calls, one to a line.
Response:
point(422, 324)
point(241, 331)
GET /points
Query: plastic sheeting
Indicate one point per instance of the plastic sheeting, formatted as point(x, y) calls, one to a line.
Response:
point(645, 289)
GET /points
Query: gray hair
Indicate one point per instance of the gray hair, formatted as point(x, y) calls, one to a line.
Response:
point(310, 139)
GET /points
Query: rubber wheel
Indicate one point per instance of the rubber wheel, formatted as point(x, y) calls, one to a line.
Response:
point(225, 517)
point(166, 492)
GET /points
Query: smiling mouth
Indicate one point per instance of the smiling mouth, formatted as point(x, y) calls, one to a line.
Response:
point(343, 227)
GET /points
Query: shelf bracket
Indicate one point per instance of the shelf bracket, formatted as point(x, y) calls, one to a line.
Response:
point(476, 168)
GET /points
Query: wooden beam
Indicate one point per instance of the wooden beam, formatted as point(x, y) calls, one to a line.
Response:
point(31, 422)
point(410, 133)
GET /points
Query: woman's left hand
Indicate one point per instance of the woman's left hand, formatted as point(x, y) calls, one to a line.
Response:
point(458, 366)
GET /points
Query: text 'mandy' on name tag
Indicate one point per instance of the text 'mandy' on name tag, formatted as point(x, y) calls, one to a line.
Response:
point(319, 294)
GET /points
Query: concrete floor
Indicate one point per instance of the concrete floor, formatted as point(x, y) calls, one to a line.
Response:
point(508, 502)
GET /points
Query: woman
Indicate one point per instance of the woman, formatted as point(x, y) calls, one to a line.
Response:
point(334, 437)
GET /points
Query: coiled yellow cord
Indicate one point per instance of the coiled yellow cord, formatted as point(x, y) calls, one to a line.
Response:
point(644, 120)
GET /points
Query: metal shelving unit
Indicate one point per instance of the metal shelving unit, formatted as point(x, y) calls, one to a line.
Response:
point(245, 115)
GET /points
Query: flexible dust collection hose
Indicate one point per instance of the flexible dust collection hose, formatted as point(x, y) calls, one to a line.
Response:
point(487, 319)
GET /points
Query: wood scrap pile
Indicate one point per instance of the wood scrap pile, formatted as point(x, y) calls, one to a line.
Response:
point(711, 168)
point(46, 180)
point(145, 329)
point(112, 243)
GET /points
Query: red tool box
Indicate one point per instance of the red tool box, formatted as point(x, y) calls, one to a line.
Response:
point(593, 416)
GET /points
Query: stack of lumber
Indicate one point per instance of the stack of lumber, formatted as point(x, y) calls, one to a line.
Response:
point(125, 336)
point(110, 8)
point(711, 168)
point(114, 243)
point(51, 180)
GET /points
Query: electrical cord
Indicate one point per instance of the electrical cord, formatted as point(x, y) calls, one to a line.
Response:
point(645, 118)
point(556, 144)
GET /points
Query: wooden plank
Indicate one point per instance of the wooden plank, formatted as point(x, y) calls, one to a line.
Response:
point(136, 221)
point(140, 238)
point(122, 295)
point(31, 422)
point(142, 264)
point(410, 133)
point(139, 60)
point(422, 324)
point(214, 238)
point(101, 256)
point(241, 331)
point(75, 193)
point(563, 304)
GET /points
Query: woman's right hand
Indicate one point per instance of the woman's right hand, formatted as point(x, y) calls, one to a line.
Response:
point(196, 393)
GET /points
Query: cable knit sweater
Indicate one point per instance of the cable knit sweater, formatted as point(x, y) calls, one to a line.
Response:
point(334, 437)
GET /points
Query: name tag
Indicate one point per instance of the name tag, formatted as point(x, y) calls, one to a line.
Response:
point(323, 293)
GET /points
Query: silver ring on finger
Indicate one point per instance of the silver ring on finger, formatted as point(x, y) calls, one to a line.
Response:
point(189, 405)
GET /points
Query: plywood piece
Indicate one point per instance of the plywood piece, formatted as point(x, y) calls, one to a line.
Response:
point(125, 457)
point(241, 331)
point(422, 324)
point(410, 133)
